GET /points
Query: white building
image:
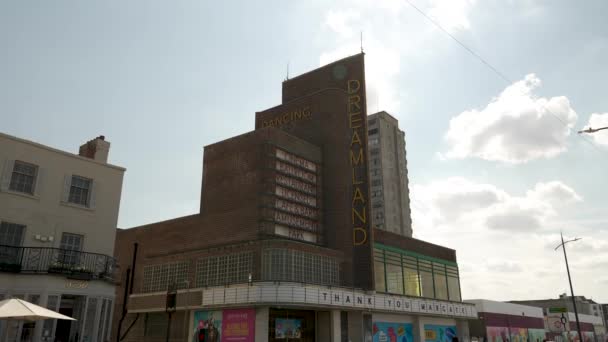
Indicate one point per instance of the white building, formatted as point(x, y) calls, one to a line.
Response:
point(58, 216)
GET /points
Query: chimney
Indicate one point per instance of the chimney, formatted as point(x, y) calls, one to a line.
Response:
point(96, 149)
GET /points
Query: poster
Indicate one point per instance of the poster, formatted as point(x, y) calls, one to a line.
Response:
point(392, 332)
point(536, 335)
point(439, 333)
point(497, 334)
point(208, 325)
point(238, 325)
point(287, 328)
point(519, 334)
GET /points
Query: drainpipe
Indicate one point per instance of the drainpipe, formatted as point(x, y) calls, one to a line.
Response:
point(128, 290)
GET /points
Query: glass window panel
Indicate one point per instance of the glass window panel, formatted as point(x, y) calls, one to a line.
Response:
point(412, 283)
point(394, 279)
point(11, 234)
point(426, 282)
point(79, 190)
point(379, 275)
point(90, 320)
point(441, 286)
point(454, 288)
point(23, 177)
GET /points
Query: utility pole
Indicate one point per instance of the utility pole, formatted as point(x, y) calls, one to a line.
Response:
point(563, 245)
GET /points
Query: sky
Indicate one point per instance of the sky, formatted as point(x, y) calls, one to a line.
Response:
point(496, 168)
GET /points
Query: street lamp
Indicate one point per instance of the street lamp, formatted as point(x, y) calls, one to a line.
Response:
point(563, 246)
point(592, 130)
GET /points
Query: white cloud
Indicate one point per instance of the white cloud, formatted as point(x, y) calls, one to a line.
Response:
point(556, 193)
point(451, 14)
point(505, 241)
point(515, 127)
point(597, 120)
point(339, 21)
point(457, 200)
point(392, 31)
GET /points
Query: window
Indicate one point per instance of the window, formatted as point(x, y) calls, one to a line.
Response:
point(394, 275)
point(80, 190)
point(374, 151)
point(23, 178)
point(379, 270)
point(280, 264)
point(11, 234)
point(71, 245)
point(372, 131)
point(441, 285)
point(159, 277)
point(224, 269)
point(376, 182)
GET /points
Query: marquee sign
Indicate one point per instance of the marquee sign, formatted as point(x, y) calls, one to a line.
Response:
point(322, 296)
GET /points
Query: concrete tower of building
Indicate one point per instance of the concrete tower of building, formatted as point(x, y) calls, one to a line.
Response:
point(390, 194)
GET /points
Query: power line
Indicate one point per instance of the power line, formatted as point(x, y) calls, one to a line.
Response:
point(490, 66)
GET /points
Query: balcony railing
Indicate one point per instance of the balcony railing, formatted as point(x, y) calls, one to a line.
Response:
point(73, 264)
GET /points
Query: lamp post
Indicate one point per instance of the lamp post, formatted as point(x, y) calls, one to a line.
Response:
point(563, 246)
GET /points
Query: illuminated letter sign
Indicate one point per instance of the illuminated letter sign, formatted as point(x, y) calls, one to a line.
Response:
point(356, 122)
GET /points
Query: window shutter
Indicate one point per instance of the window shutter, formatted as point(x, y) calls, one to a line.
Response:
point(92, 193)
point(39, 181)
point(7, 174)
point(67, 182)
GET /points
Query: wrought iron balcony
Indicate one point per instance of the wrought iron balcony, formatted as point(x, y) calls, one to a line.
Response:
point(73, 264)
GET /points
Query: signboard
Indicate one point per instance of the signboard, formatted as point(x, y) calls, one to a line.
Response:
point(296, 160)
point(295, 196)
point(558, 310)
point(293, 233)
point(296, 184)
point(558, 322)
point(296, 172)
point(235, 325)
point(287, 328)
point(439, 333)
point(388, 332)
point(238, 325)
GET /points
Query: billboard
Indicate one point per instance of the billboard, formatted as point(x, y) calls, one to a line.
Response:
point(236, 325)
point(287, 328)
point(392, 332)
point(439, 333)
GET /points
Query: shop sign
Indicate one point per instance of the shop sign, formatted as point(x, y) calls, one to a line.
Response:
point(296, 184)
point(294, 233)
point(385, 331)
point(295, 196)
point(225, 325)
point(296, 172)
point(296, 160)
point(76, 284)
point(439, 333)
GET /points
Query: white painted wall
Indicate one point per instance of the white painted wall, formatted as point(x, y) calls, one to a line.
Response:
point(44, 213)
point(484, 305)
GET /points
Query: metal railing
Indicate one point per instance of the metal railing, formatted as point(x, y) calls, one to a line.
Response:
point(74, 264)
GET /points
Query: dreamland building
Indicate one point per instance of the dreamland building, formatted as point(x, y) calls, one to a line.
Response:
point(283, 247)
